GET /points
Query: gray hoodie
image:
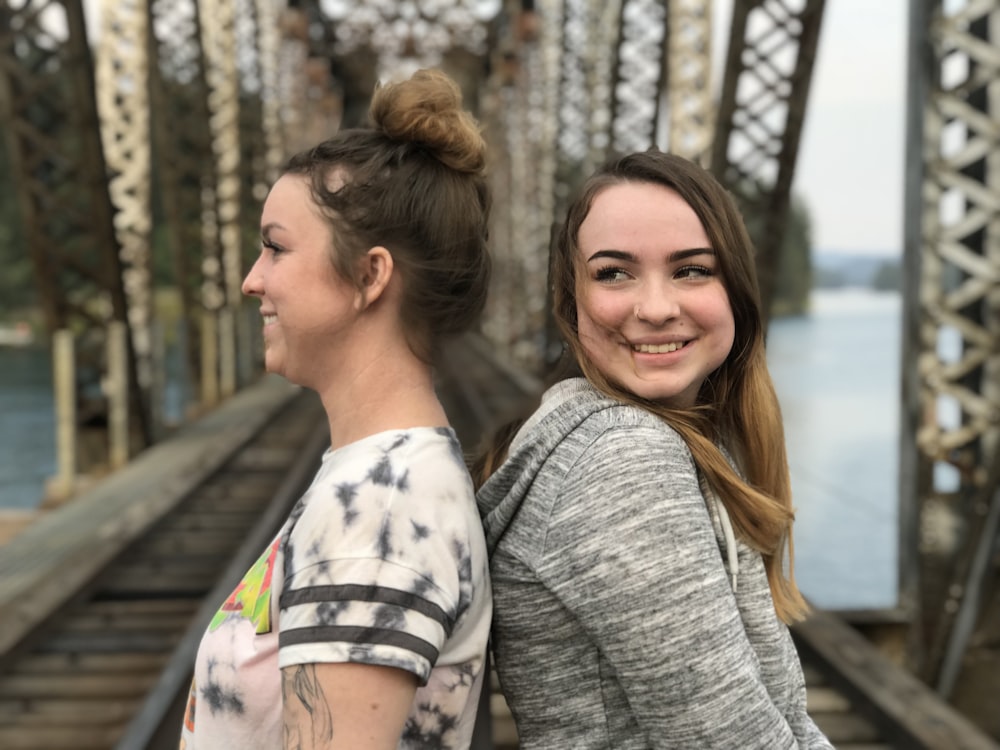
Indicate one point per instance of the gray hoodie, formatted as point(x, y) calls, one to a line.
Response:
point(626, 614)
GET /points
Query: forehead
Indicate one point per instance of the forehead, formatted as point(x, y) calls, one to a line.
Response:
point(637, 215)
point(290, 201)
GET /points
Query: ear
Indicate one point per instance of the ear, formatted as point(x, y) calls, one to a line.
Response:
point(374, 273)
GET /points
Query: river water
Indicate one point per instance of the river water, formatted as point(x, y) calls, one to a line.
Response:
point(837, 375)
point(27, 426)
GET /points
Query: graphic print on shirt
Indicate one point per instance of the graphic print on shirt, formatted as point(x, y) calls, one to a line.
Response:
point(378, 563)
point(252, 597)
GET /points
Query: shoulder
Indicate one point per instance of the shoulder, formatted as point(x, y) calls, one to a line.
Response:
point(575, 407)
point(577, 427)
point(394, 459)
point(630, 435)
point(389, 495)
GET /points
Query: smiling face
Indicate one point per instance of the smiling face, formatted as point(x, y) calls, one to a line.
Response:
point(308, 308)
point(652, 312)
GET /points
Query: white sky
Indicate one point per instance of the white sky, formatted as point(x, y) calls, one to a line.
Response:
point(850, 165)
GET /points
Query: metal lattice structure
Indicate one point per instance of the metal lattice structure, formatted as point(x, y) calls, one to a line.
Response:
point(640, 67)
point(692, 109)
point(951, 429)
point(617, 67)
point(772, 48)
point(197, 102)
point(53, 136)
point(182, 140)
point(518, 113)
point(89, 152)
point(123, 106)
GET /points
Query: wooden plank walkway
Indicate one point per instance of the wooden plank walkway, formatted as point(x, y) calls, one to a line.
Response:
point(55, 557)
point(153, 552)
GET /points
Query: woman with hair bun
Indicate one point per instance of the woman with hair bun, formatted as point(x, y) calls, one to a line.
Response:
point(364, 623)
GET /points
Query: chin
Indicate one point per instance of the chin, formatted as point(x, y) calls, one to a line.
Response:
point(665, 395)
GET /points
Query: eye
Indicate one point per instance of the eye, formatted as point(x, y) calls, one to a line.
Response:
point(694, 271)
point(610, 274)
point(270, 245)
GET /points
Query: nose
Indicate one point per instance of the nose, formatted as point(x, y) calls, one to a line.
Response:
point(657, 304)
point(253, 284)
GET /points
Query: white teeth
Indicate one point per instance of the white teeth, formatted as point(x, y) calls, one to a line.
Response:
point(268, 319)
point(656, 349)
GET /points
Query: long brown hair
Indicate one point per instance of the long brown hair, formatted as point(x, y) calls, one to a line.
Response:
point(736, 407)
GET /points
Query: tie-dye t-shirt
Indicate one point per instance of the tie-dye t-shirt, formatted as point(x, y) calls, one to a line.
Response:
point(382, 561)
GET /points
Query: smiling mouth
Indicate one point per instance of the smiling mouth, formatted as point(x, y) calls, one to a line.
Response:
point(658, 348)
point(268, 319)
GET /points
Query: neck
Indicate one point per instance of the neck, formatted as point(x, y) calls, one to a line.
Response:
point(384, 392)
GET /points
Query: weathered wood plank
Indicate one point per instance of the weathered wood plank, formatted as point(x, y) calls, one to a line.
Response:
point(60, 663)
point(53, 558)
point(27, 687)
point(123, 620)
point(905, 710)
point(62, 713)
point(109, 641)
point(46, 738)
point(845, 728)
point(826, 700)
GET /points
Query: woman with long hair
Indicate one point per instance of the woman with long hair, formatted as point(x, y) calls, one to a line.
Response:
point(639, 522)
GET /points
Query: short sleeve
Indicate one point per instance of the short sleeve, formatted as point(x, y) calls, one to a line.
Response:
point(376, 565)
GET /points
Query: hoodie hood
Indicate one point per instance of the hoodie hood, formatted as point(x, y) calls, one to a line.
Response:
point(564, 407)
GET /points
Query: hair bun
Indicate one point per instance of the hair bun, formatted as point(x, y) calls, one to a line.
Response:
point(427, 110)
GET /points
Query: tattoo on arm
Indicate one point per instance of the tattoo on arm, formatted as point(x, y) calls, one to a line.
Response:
point(308, 721)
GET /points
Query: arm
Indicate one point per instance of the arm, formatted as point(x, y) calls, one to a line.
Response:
point(345, 706)
point(632, 553)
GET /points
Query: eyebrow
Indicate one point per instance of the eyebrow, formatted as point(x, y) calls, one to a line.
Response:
point(677, 255)
point(265, 231)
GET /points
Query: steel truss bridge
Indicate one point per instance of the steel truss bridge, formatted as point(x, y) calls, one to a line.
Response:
point(151, 136)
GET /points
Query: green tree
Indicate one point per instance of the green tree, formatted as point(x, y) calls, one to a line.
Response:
point(888, 277)
point(795, 273)
point(17, 282)
point(793, 277)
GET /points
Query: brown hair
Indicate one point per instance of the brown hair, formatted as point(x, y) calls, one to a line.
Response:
point(737, 406)
point(414, 183)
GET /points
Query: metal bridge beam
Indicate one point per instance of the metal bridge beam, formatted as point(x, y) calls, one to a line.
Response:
point(186, 170)
point(692, 109)
point(772, 48)
point(47, 98)
point(123, 106)
point(951, 417)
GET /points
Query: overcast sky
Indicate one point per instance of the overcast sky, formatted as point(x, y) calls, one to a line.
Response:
point(850, 165)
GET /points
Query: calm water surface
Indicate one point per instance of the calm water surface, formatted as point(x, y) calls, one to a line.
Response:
point(27, 426)
point(837, 375)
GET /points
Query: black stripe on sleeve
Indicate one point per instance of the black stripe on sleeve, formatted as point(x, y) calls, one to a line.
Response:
point(359, 593)
point(361, 636)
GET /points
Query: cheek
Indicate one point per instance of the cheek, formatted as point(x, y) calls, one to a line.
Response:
point(719, 316)
point(602, 310)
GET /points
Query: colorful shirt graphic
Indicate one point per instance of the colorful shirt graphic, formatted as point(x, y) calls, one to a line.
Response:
point(252, 598)
point(382, 561)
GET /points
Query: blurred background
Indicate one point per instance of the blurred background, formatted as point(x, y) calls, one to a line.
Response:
point(861, 139)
